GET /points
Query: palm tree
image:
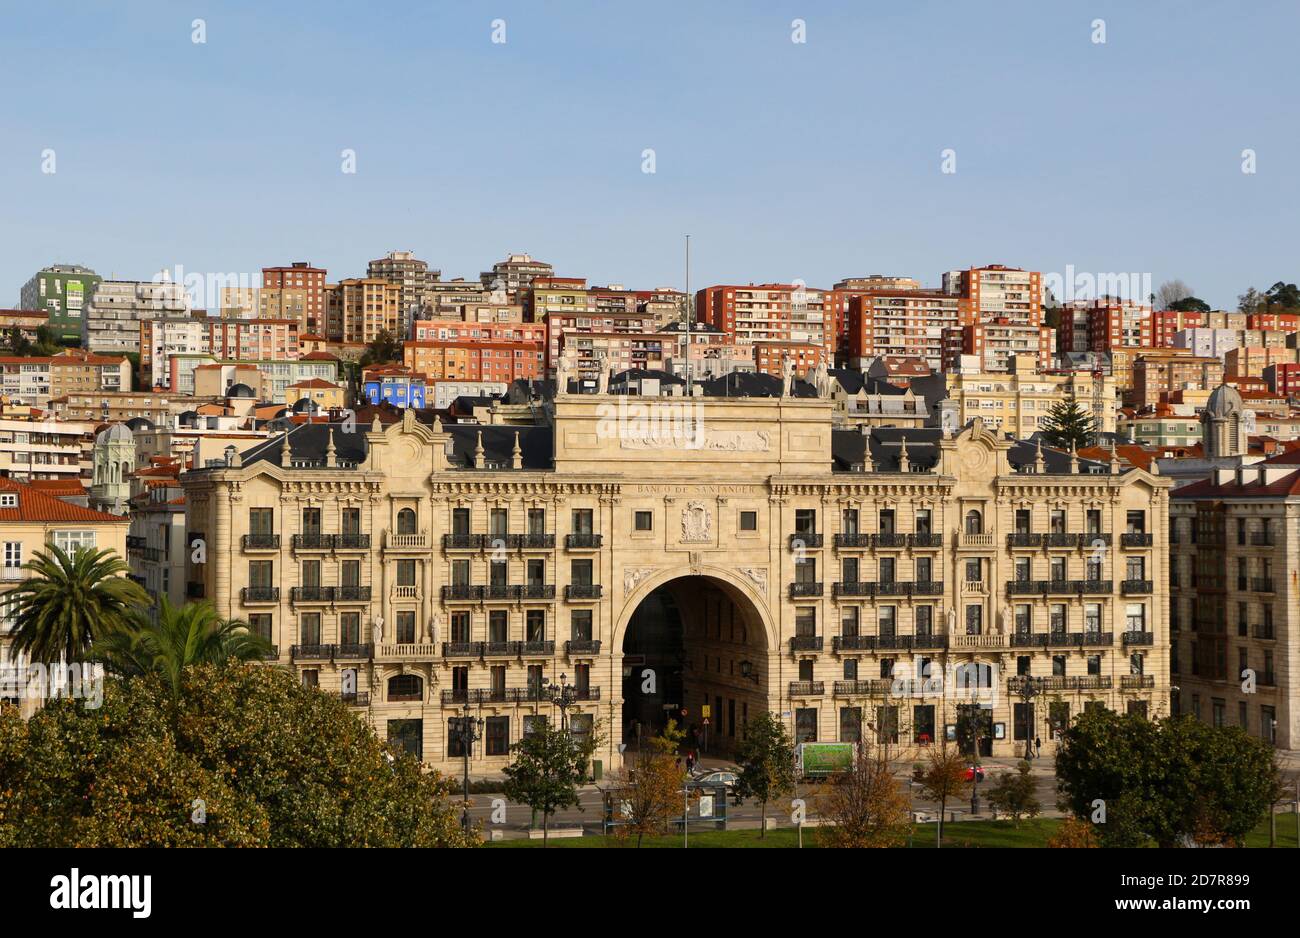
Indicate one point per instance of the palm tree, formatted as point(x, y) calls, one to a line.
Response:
point(69, 601)
point(177, 638)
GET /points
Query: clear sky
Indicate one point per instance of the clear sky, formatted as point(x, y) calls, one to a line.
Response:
point(783, 160)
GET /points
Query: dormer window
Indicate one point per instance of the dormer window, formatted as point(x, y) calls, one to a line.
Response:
point(8, 499)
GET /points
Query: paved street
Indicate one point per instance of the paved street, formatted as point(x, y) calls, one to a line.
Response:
point(748, 814)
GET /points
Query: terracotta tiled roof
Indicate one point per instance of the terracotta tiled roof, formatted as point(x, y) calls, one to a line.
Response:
point(35, 505)
point(1208, 488)
point(315, 383)
point(59, 487)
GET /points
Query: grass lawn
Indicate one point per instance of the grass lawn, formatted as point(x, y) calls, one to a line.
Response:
point(961, 834)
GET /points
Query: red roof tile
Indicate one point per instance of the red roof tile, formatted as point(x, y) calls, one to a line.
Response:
point(35, 505)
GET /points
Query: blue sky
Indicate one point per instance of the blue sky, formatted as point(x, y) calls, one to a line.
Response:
point(814, 161)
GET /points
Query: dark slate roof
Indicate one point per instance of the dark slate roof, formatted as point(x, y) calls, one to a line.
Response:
point(535, 443)
point(850, 379)
point(1023, 452)
point(752, 384)
point(308, 441)
point(524, 390)
point(638, 374)
point(465, 403)
point(849, 446)
point(933, 387)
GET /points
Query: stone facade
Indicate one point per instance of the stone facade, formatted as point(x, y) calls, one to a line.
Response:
point(415, 568)
point(1234, 617)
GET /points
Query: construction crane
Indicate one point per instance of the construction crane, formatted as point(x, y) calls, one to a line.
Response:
point(1098, 396)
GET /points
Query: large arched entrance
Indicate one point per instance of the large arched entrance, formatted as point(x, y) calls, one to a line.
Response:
point(695, 650)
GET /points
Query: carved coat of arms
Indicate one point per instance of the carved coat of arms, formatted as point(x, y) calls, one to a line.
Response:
point(697, 523)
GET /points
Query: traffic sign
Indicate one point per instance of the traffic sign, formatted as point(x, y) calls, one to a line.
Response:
point(706, 711)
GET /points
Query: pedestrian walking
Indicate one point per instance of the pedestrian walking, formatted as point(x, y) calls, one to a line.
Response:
point(1038, 744)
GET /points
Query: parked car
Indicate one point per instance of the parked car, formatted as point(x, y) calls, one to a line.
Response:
point(725, 777)
point(972, 770)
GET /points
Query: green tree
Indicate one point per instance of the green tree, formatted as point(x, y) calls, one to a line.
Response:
point(16, 342)
point(1170, 781)
point(942, 778)
point(866, 803)
point(547, 768)
point(69, 601)
point(765, 756)
point(1068, 426)
point(175, 639)
point(1282, 295)
point(255, 759)
point(1190, 304)
point(648, 795)
point(1252, 301)
point(385, 348)
point(1014, 794)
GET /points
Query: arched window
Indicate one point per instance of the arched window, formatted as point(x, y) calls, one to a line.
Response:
point(974, 522)
point(405, 687)
point(974, 675)
point(406, 521)
point(126, 471)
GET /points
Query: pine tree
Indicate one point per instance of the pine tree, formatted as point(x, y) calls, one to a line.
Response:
point(1068, 426)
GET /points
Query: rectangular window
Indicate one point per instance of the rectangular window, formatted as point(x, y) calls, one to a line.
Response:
point(406, 628)
point(71, 541)
point(643, 521)
point(1023, 719)
point(261, 521)
point(805, 621)
point(260, 624)
point(805, 725)
point(582, 521)
point(850, 724)
point(259, 574)
point(580, 625)
point(309, 629)
point(749, 521)
point(460, 627)
point(350, 628)
point(498, 626)
point(497, 734)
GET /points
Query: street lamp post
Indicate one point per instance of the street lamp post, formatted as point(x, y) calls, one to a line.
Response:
point(1030, 687)
point(562, 695)
point(467, 732)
